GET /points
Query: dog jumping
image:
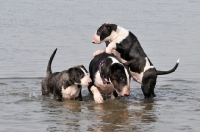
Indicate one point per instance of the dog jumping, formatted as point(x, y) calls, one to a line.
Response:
point(126, 47)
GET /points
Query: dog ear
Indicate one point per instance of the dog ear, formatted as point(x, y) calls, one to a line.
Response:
point(74, 74)
point(113, 68)
point(108, 27)
point(66, 81)
point(82, 66)
point(116, 66)
point(111, 27)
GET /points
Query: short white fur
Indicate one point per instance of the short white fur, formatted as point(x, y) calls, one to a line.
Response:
point(70, 92)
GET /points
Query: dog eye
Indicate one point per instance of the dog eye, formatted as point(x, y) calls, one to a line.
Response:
point(122, 78)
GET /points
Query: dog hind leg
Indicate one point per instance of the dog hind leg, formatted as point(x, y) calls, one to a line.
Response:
point(148, 83)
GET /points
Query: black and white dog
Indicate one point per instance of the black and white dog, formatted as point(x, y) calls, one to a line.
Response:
point(66, 84)
point(109, 77)
point(126, 47)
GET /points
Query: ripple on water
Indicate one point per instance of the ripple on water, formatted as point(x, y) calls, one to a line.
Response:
point(3, 84)
point(184, 81)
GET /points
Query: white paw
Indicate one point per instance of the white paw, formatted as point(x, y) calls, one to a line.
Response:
point(98, 98)
point(96, 52)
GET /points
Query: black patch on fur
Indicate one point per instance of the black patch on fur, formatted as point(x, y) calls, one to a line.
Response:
point(113, 71)
point(149, 82)
point(76, 74)
point(105, 30)
point(65, 80)
point(131, 51)
point(53, 82)
point(118, 76)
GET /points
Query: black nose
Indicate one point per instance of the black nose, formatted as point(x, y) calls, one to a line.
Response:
point(126, 94)
point(93, 42)
point(90, 83)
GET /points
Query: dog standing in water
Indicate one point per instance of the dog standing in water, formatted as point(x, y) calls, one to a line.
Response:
point(109, 77)
point(126, 47)
point(66, 84)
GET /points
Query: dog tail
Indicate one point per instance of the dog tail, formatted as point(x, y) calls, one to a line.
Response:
point(50, 61)
point(170, 71)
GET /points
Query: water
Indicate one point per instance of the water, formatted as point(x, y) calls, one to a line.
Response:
point(31, 30)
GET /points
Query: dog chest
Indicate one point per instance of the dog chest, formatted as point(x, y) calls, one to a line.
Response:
point(70, 92)
point(103, 88)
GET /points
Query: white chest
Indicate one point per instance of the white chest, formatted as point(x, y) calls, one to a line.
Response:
point(70, 92)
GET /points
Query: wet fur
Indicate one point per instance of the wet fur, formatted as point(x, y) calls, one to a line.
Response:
point(111, 72)
point(127, 44)
point(53, 83)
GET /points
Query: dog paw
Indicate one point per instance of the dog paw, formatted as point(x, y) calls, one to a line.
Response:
point(98, 52)
point(97, 95)
point(98, 98)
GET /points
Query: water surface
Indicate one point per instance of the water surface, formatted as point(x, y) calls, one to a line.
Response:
point(31, 30)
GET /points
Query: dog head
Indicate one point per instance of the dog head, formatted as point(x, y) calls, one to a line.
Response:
point(104, 33)
point(79, 75)
point(120, 78)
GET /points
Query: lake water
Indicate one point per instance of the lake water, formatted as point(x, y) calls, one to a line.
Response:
point(31, 30)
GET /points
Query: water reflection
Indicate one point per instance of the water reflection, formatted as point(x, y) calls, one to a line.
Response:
point(123, 115)
point(72, 105)
point(149, 111)
point(111, 116)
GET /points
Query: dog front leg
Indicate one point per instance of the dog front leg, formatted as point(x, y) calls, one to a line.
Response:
point(110, 47)
point(97, 95)
point(118, 55)
point(99, 52)
point(112, 96)
point(79, 98)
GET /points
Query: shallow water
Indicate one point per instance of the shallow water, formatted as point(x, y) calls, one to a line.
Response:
point(31, 30)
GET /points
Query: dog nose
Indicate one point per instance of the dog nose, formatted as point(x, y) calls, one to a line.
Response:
point(93, 42)
point(89, 83)
point(126, 94)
